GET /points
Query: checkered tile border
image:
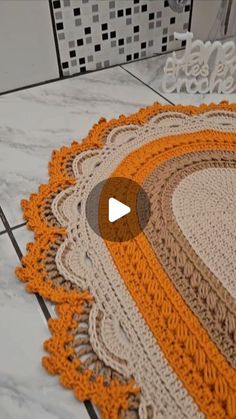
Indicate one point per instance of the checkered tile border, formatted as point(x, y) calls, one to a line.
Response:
point(93, 34)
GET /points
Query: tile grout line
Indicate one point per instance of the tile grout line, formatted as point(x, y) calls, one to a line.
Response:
point(73, 76)
point(13, 228)
point(190, 17)
point(87, 403)
point(145, 84)
point(19, 254)
point(19, 225)
point(55, 39)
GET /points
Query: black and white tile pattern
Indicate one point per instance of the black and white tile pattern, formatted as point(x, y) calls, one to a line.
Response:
point(93, 34)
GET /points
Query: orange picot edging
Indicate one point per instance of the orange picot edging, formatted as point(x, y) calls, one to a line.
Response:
point(110, 399)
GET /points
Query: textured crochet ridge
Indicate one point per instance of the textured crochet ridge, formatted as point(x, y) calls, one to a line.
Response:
point(100, 351)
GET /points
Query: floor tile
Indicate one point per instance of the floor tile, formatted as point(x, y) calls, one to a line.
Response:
point(150, 71)
point(26, 390)
point(37, 120)
point(24, 236)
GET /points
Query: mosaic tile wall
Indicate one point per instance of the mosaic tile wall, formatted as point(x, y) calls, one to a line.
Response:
point(93, 34)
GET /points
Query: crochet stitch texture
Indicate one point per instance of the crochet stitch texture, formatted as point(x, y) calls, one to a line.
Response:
point(145, 328)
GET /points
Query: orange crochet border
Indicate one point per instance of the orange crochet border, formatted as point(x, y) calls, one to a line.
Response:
point(109, 399)
point(214, 384)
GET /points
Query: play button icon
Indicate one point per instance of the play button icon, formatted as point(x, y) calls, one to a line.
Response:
point(117, 209)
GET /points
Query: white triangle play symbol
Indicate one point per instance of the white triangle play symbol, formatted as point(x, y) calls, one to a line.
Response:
point(116, 209)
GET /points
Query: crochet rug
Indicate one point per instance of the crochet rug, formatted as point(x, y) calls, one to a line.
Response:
point(145, 328)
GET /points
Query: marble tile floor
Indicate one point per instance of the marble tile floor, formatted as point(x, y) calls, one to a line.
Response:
point(32, 123)
point(150, 72)
point(26, 390)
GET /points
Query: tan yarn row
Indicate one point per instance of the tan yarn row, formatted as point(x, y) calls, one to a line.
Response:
point(98, 347)
point(203, 292)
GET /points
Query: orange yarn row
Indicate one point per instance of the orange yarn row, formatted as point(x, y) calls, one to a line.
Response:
point(187, 346)
point(109, 399)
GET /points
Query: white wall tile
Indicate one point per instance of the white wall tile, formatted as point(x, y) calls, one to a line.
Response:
point(27, 47)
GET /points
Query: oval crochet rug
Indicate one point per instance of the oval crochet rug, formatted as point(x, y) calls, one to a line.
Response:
point(145, 328)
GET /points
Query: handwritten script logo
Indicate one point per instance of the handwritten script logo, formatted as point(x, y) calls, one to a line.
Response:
point(204, 67)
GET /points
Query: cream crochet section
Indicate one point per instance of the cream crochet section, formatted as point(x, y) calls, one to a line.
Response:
point(84, 260)
point(204, 204)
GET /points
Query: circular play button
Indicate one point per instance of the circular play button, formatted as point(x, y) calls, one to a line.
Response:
point(117, 209)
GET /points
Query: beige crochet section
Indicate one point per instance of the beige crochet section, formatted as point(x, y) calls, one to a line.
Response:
point(204, 204)
point(83, 260)
point(201, 289)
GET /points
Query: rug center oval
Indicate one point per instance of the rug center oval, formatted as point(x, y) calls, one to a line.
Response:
point(204, 204)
